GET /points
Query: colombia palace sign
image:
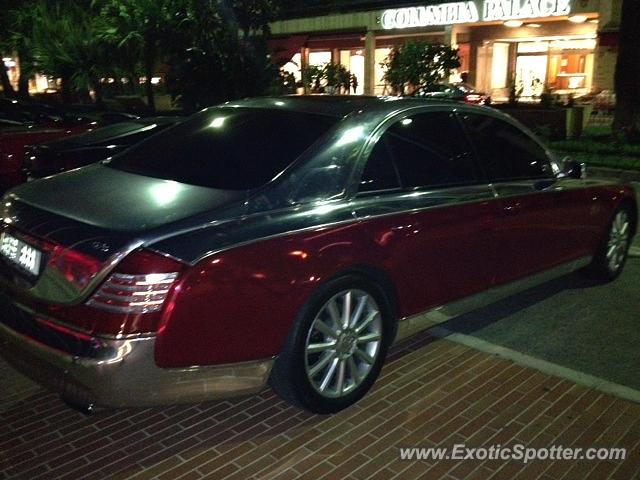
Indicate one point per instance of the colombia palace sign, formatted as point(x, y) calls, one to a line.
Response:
point(470, 12)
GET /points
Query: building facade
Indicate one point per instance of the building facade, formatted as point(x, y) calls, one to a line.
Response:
point(562, 46)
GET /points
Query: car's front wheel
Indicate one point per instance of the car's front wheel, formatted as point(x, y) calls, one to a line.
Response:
point(612, 255)
point(337, 347)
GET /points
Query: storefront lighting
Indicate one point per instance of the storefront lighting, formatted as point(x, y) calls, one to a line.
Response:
point(577, 18)
point(513, 23)
point(533, 25)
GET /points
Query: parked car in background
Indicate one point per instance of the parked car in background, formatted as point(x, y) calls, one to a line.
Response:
point(287, 241)
point(5, 123)
point(63, 154)
point(462, 92)
point(12, 148)
point(32, 113)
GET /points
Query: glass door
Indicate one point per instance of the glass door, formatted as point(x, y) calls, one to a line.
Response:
point(531, 74)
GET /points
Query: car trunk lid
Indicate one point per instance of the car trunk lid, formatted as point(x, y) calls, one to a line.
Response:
point(82, 223)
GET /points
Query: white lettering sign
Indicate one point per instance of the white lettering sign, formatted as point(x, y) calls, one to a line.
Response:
point(443, 14)
point(467, 12)
point(512, 9)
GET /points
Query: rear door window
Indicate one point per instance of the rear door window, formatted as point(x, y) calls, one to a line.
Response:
point(505, 151)
point(425, 150)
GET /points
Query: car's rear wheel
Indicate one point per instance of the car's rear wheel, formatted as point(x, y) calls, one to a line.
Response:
point(336, 349)
point(612, 255)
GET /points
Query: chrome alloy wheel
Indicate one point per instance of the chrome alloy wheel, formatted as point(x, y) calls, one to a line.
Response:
point(343, 343)
point(618, 243)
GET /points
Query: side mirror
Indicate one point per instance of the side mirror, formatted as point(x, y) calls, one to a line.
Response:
point(572, 169)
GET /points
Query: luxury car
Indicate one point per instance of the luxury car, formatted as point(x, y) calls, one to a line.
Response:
point(461, 92)
point(287, 242)
point(13, 142)
point(60, 116)
point(57, 156)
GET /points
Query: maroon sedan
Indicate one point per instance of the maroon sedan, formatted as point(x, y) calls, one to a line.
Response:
point(287, 241)
point(12, 148)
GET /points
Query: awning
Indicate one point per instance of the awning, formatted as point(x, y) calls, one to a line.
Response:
point(283, 49)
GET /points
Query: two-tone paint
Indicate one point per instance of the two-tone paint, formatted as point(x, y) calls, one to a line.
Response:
point(254, 258)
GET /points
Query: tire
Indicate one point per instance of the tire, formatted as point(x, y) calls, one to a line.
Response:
point(611, 256)
point(325, 367)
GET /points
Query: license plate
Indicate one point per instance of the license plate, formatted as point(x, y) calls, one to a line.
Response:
point(20, 254)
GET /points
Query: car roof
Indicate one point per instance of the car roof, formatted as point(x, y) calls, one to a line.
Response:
point(160, 120)
point(336, 105)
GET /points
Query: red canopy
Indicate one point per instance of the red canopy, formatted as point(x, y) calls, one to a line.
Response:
point(283, 49)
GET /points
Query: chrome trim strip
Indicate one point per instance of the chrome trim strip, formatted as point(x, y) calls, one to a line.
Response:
point(271, 237)
point(430, 318)
point(129, 377)
point(410, 197)
point(51, 289)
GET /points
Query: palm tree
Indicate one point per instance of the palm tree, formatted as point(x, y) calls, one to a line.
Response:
point(66, 46)
point(15, 39)
point(144, 28)
point(21, 40)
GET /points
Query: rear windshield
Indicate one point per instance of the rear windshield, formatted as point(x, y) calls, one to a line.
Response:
point(226, 148)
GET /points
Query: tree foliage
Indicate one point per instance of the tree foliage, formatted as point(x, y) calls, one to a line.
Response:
point(330, 77)
point(65, 45)
point(144, 29)
point(223, 54)
point(417, 65)
point(215, 50)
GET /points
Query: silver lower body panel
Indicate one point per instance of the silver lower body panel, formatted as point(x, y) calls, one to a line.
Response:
point(129, 377)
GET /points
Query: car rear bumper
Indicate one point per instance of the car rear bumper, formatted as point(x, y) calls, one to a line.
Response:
point(123, 373)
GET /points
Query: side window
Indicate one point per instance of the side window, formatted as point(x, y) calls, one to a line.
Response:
point(427, 150)
point(505, 151)
point(380, 171)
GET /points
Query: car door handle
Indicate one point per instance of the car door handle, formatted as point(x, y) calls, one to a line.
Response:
point(544, 184)
point(513, 209)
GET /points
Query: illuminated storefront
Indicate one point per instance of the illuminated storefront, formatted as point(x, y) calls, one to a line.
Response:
point(536, 45)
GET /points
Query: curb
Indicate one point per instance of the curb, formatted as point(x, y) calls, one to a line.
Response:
point(543, 366)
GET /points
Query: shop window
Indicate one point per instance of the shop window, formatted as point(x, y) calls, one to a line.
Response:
point(319, 58)
point(570, 70)
point(380, 56)
point(531, 74)
point(500, 65)
point(294, 67)
point(353, 60)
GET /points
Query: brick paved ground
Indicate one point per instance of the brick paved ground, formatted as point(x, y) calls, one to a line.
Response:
point(432, 392)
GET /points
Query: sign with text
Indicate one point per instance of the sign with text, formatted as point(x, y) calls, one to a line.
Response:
point(452, 13)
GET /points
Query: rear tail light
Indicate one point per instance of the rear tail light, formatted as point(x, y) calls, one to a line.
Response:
point(123, 293)
point(131, 300)
point(76, 268)
point(473, 98)
point(140, 284)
